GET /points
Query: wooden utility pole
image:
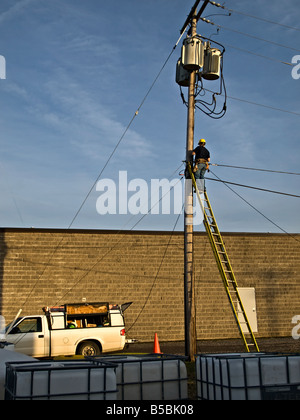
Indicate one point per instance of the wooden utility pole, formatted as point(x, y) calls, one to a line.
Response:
point(189, 287)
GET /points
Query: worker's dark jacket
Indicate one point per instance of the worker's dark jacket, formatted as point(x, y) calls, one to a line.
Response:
point(201, 153)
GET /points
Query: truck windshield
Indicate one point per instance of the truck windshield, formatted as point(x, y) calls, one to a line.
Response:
point(9, 325)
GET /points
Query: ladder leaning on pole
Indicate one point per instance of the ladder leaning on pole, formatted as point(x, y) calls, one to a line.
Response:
point(225, 269)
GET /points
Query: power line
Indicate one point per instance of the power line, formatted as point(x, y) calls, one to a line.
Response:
point(253, 188)
point(255, 169)
point(249, 35)
point(254, 17)
point(259, 55)
point(264, 106)
point(254, 208)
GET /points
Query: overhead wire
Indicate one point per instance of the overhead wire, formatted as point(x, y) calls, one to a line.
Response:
point(249, 35)
point(253, 16)
point(254, 188)
point(255, 169)
point(276, 60)
point(251, 187)
point(263, 106)
point(256, 209)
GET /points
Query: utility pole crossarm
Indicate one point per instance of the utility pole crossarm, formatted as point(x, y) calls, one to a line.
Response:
point(192, 14)
point(202, 9)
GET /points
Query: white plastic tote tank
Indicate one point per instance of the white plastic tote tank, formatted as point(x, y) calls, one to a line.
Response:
point(248, 377)
point(9, 356)
point(150, 378)
point(60, 381)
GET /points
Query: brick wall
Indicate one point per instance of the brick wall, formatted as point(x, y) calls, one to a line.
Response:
point(48, 267)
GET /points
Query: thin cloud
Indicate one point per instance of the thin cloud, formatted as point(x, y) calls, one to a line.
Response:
point(89, 124)
point(15, 10)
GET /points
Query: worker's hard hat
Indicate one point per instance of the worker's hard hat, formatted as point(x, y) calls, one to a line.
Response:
point(202, 141)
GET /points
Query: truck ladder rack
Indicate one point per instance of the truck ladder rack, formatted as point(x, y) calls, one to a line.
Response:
point(225, 268)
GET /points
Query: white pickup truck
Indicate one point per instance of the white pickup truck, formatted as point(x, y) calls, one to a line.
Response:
point(87, 329)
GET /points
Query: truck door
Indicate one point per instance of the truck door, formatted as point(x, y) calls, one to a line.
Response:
point(29, 337)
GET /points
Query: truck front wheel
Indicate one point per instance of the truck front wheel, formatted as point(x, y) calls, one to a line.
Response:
point(89, 348)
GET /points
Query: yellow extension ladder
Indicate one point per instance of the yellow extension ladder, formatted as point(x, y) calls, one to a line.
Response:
point(225, 269)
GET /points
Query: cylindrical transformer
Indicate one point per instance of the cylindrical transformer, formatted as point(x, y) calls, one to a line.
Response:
point(192, 54)
point(182, 75)
point(212, 64)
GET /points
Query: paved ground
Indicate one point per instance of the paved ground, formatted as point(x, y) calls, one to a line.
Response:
point(276, 345)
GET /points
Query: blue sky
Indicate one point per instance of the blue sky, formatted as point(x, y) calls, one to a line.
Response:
point(76, 72)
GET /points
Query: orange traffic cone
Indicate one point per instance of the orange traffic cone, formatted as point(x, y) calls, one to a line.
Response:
point(156, 349)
